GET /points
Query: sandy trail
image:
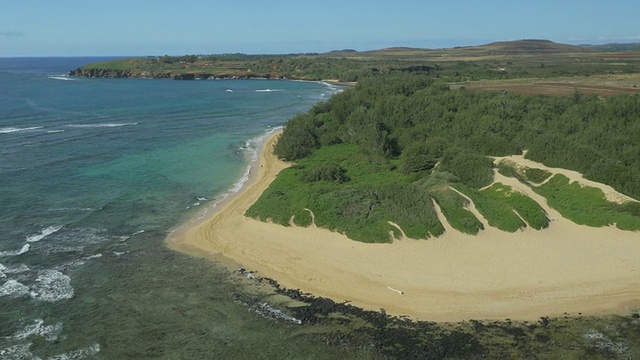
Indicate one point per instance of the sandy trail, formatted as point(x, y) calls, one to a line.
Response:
point(494, 275)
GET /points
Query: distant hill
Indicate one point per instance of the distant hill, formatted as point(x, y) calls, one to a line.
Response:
point(517, 47)
point(344, 52)
point(528, 46)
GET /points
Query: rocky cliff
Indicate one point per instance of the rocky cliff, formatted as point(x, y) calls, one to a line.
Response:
point(123, 73)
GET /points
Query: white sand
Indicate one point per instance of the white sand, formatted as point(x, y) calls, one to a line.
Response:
point(494, 275)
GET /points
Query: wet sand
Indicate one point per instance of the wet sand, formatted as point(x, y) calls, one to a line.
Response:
point(493, 275)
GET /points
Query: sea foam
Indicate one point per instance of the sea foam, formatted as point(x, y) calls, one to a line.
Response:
point(252, 148)
point(43, 233)
point(20, 351)
point(52, 286)
point(8, 130)
point(49, 285)
point(23, 250)
point(49, 332)
point(14, 288)
point(102, 125)
point(85, 353)
point(17, 269)
point(61, 77)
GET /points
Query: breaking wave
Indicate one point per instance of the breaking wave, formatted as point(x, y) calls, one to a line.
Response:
point(8, 130)
point(107, 125)
point(23, 250)
point(61, 77)
point(43, 234)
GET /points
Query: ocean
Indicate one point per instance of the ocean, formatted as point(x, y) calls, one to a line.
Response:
point(94, 173)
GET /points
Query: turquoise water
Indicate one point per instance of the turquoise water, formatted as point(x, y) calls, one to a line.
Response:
point(93, 175)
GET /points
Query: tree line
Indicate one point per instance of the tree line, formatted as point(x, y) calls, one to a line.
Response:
point(420, 122)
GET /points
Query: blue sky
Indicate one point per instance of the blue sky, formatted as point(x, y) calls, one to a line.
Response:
point(159, 27)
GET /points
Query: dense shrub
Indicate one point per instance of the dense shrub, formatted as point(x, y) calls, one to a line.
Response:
point(417, 157)
point(327, 171)
point(471, 169)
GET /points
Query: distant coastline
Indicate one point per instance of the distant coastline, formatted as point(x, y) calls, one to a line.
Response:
point(126, 73)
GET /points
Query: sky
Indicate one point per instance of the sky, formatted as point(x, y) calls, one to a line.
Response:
point(161, 27)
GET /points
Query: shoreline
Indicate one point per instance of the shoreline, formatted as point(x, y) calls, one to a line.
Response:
point(246, 181)
point(566, 268)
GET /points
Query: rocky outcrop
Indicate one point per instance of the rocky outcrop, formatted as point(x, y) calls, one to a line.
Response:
point(120, 73)
point(101, 73)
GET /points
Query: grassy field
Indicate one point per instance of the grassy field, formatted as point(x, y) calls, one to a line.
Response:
point(600, 85)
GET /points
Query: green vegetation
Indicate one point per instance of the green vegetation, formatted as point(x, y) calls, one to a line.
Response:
point(587, 205)
point(472, 169)
point(494, 207)
point(526, 207)
point(523, 174)
point(360, 207)
point(453, 207)
point(328, 172)
point(535, 175)
point(388, 134)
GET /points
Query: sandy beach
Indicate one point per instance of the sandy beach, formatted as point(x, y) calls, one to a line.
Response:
point(494, 275)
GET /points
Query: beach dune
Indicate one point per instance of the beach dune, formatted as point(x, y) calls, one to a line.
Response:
point(493, 275)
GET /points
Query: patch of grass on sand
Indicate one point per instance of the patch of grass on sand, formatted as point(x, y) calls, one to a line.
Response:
point(506, 209)
point(453, 208)
point(586, 205)
point(494, 208)
point(525, 206)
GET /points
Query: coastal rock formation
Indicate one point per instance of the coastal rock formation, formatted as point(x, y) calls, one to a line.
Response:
point(101, 73)
point(146, 74)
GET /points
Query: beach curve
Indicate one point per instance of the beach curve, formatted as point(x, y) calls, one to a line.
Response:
point(567, 268)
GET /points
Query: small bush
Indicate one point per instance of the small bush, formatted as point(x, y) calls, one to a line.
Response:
point(324, 172)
